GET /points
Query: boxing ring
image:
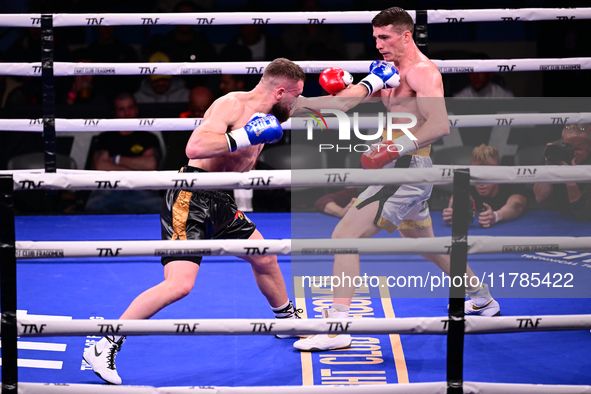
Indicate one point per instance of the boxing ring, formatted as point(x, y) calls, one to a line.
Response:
point(38, 253)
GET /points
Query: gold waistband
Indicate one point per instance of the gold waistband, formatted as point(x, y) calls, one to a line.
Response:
point(425, 151)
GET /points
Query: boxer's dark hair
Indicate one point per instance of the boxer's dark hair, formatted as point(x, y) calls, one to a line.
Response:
point(284, 68)
point(395, 16)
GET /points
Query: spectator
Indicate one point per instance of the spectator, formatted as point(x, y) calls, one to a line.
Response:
point(84, 89)
point(232, 83)
point(125, 151)
point(482, 85)
point(161, 88)
point(492, 203)
point(338, 203)
point(11, 91)
point(235, 82)
point(569, 198)
point(200, 99)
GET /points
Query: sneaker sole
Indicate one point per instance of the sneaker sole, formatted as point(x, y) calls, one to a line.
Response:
point(315, 349)
point(98, 374)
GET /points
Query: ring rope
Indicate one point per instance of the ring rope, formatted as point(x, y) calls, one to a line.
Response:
point(38, 327)
point(295, 123)
point(269, 18)
point(261, 179)
point(309, 67)
point(233, 247)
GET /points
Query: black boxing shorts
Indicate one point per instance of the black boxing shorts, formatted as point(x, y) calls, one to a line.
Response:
point(201, 214)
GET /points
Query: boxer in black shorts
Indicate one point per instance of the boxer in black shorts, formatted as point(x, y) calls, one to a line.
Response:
point(201, 214)
point(230, 138)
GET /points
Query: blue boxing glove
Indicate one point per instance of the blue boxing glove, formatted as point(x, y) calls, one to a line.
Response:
point(260, 129)
point(382, 75)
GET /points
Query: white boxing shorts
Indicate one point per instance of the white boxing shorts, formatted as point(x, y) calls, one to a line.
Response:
point(400, 206)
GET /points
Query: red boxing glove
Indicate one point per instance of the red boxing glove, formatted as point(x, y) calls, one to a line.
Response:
point(334, 79)
point(383, 153)
point(380, 154)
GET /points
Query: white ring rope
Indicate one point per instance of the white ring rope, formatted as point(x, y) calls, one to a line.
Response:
point(259, 179)
point(309, 67)
point(236, 247)
point(27, 327)
point(295, 123)
point(268, 18)
point(410, 388)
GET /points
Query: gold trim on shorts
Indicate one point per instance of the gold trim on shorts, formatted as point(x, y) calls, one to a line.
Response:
point(180, 213)
point(405, 225)
point(386, 225)
point(425, 152)
point(415, 224)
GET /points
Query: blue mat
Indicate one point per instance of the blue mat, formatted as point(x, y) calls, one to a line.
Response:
point(103, 288)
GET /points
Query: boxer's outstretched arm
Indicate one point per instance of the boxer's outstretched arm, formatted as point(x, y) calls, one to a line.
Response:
point(208, 139)
point(428, 85)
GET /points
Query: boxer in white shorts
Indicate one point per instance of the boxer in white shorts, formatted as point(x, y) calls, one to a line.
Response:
point(407, 82)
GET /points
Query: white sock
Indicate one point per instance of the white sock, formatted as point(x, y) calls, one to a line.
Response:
point(340, 307)
point(277, 309)
point(479, 292)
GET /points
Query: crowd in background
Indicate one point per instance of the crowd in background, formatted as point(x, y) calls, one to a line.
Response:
point(189, 96)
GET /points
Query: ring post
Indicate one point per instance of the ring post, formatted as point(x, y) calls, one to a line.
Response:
point(421, 33)
point(458, 262)
point(48, 92)
point(8, 286)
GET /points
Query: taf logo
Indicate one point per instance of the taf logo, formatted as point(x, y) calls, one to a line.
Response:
point(204, 21)
point(336, 178)
point(529, 323)
point(30, 184)
point(255, 250)
point(506, 67)
point(149, 21)
point(559, 120)
point(108, 252)
point(254, 70)
point(94, 21)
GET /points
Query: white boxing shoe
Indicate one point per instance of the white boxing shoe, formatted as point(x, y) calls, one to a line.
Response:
point(101, 358)
point(321, 342)
point(482, 307)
